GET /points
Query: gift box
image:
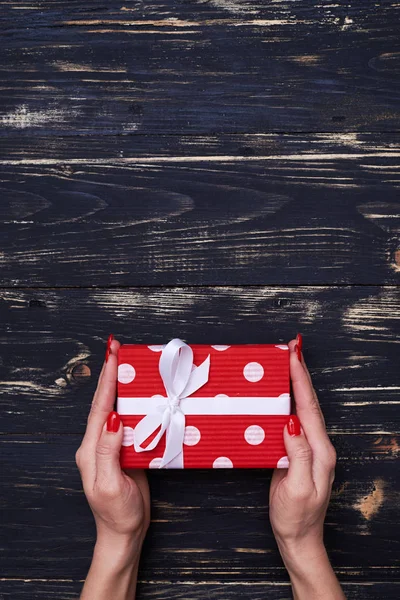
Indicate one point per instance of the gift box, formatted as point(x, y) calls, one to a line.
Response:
point(203, 406)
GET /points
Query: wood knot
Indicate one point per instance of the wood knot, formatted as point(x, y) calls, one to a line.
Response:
point(397, 258)
point(81, 373)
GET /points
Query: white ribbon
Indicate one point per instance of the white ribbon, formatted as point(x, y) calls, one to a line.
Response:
point(210, 405)
point(180, 381)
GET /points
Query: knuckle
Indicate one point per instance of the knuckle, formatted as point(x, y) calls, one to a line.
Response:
point(301, 493)
point(97, 408)
point(109, 490)
point(78, 457)
point(331, 457)
point(89, 492)
point(103, 450)
point(94, 409)
point(146, 522)
point(303, 454)
point(314, 405)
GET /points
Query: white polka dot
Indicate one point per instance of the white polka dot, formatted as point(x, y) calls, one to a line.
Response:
point(155, 463)
point(223, 403)
point(159, 397)
point(253, 371)
point(282, 347)
point(126, 373)
point(156, 348)
point(283, 463)
point(220, 348)
point(192, 436)
point(127, 439)
point(222, 462)
point(254, 435)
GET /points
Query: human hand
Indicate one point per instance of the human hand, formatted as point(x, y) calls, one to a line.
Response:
point(299, 495)
point(120, 501)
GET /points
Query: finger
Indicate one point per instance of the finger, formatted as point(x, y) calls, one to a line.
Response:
point(312, 420)
point(300, 356)
point(306, 400)
point(104, 399)
point(299, 475)
point(108, 349)
point(104, 396)
point(112, 348)
point(303, 363)
point(108, 469)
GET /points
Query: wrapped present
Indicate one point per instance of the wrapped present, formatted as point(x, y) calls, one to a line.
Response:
point(203, 406)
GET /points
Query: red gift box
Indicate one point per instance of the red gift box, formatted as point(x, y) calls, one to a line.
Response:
point(235, 417)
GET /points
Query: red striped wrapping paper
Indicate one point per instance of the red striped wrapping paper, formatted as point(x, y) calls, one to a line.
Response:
point(241, 377)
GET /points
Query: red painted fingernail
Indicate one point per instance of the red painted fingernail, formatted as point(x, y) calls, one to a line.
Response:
point(113, 421)
point(294, 425)
point(299, 341)
point(298, 352)
point(108, 349)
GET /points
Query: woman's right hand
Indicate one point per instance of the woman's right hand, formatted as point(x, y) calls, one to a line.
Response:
point(299, 495)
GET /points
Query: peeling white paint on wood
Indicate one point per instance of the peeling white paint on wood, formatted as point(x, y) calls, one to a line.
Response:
point(367, 389)
point(23, 117)
point(81, 67)
point(236, 7)
point(221, 158)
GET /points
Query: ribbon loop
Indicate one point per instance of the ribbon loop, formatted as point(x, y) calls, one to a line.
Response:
point(180, 380)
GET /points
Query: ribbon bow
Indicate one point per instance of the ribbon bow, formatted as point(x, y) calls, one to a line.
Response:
point(180, 381)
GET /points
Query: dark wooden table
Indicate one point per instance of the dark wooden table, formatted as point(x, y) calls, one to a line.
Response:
point(224, 171)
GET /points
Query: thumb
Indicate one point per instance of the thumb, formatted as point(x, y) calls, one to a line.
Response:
point(108, 447)
point(299, 453)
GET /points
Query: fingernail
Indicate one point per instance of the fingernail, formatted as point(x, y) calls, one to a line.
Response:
point(294, 425)
point(108, 349)
point(298, 352)
point(113, 421)
point(299, 341)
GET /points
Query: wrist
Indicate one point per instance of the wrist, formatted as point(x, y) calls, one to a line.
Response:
point(303, 556)
point(118, 552)
point(114, 569)
point(310, 570)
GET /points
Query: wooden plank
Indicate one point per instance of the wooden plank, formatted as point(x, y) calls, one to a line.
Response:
point(203, 67)
point(357, 148)
point(234, 210)
point(164, 590)
point(195, 532)
point(56, 343)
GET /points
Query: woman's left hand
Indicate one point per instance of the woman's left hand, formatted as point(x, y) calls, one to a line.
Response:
point(120, 501)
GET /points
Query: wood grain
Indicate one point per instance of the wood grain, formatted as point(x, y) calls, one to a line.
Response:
point(234, 210)
point(184, 590)
point(217, 170)
point(219, 528)
point(199, 67)
point(56, 341)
